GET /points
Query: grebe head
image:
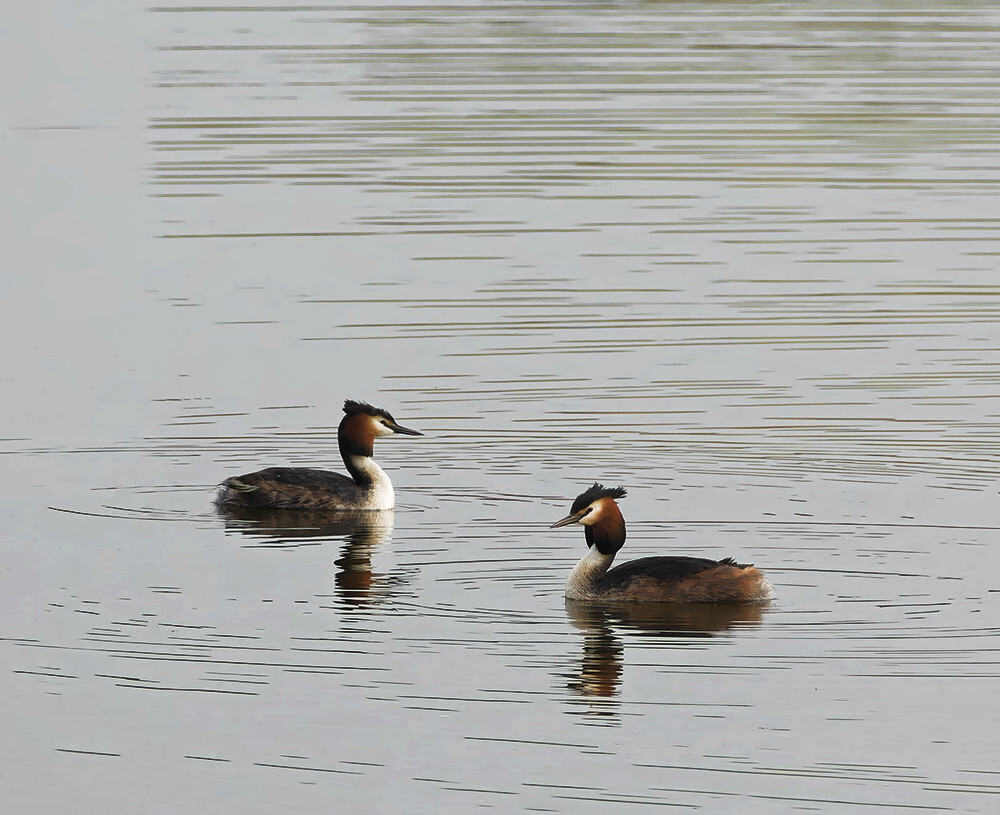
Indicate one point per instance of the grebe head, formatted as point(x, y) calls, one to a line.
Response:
point(363, 423)
point(377, 421)
point(596, 510)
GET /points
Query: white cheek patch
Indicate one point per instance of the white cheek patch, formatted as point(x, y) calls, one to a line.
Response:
point(595, 514)
point(379, 429)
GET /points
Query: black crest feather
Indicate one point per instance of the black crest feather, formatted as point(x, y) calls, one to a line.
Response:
point(593, 493)
point(353, 407)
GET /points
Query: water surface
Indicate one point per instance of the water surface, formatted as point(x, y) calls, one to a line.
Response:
point(741, 259)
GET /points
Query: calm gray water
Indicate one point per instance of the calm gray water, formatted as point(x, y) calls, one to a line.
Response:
point(741, 258)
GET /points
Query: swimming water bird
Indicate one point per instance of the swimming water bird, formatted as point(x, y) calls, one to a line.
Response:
point(368, 487)
point(649, 579)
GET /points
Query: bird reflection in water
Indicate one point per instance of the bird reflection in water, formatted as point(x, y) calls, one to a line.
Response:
point(602, 663)
point(363, 531)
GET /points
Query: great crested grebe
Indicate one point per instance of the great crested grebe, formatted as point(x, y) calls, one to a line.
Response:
point(649, 579)
point(304, 488)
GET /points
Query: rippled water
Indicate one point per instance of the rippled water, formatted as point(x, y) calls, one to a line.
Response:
point(739, 258)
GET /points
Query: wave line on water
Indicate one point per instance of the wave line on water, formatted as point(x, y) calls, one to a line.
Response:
point(131, 514)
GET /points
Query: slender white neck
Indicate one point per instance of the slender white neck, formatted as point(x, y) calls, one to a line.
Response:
point(591, 568)
point(382, 496)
